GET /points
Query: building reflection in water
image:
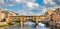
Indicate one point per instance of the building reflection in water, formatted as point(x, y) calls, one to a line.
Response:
point(1, 28)
point(25, 27)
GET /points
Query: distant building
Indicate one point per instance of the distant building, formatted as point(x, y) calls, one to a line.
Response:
point(56, 15)
point(48, 14)
point(5, 14)
point(53, 16)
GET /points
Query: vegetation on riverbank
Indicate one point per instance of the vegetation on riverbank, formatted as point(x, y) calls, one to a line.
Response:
point(5, 25)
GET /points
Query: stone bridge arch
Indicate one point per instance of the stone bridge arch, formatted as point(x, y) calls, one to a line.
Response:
point(23, 19)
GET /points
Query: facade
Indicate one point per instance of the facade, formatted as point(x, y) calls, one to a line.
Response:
point(48, 15)
point(5, 14)
point(53, 16)
point(56, 15)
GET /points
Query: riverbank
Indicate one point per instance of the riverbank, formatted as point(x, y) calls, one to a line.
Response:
point(4, 24)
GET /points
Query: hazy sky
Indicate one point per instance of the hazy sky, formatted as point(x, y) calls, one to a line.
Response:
point(29, 7)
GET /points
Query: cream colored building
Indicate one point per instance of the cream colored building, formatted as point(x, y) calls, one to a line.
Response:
point(5, 14)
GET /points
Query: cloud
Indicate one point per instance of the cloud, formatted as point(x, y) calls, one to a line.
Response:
point(24, 12)
point(29, 7)
point(44, 10)
point(29, 4)
point(10, 4)
point(27, 13)
point(49, 2)
point(32, 5)
point(37, 11)
point(52, 4)
point(1, 1)
point(18, 1)
point(4, 3)
point(4, 9)
point(57, 2)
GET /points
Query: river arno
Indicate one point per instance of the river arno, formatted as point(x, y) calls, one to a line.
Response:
point(26, 26)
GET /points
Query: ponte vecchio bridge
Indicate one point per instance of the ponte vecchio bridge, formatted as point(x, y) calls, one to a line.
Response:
point(23, 19)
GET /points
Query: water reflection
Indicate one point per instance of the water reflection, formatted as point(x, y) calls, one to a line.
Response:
point(28, 25)
point(41, 25)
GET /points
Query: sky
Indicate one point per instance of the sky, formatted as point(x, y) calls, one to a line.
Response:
point(29, 7)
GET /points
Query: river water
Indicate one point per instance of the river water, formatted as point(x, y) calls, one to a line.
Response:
point(27, 25)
